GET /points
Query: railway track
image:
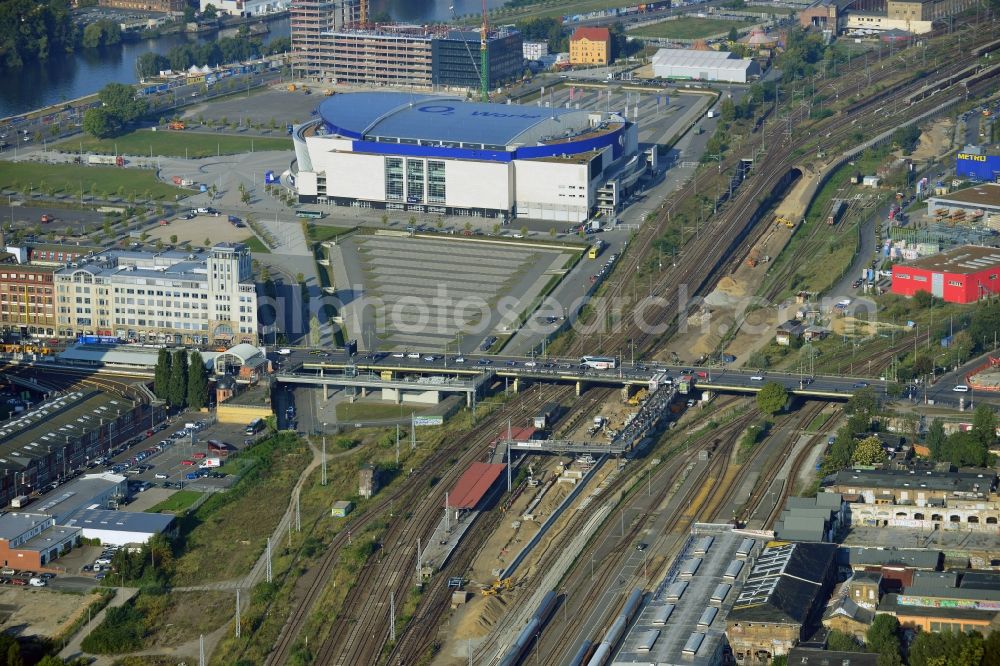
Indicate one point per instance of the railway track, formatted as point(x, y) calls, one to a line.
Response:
point(552, 649)
point(703, 255)
point(421, 632)
point(408, 493)
point(361, 628)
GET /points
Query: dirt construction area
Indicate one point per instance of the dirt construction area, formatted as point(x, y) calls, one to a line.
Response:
point(474, 620)
point(38, 612)
point(197, 229)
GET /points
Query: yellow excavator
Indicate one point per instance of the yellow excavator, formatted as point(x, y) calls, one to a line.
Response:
point(499, 585)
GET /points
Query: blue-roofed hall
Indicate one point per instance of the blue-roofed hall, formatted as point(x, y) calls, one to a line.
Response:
point(442, 154)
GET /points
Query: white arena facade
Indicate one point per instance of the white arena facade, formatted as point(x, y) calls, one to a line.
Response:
point(443, 155)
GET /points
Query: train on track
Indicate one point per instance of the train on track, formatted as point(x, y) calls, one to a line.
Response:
point(26, 348)
point(601, 654)
point(541, 616)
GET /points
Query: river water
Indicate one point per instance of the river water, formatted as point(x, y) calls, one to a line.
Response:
point(73, 75)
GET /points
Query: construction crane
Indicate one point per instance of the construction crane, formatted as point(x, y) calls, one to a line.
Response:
point(484, 58)
point(363, 14)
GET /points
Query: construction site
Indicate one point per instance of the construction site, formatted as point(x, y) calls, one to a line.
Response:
point(346, 48)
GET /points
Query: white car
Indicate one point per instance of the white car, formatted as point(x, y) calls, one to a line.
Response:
point(530, 364)
point(398, 354)
point(961, 388)
point(160, 475)
point(413, 355)
point(285, 352)
point(458, 359)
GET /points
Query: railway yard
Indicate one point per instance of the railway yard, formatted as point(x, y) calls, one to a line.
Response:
point(622, 508)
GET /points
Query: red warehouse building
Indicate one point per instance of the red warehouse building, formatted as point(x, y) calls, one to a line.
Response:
point(962, 275)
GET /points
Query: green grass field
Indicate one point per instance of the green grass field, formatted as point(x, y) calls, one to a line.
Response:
point(256, 246)
point(94, 180)
point(173, 144)
point(688, 27)
point(321, 232)
point(369, 411)
point(177, 502)
point(549, 8)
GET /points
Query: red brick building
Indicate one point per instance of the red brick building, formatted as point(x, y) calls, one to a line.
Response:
point(962, 275)
point(27, 300)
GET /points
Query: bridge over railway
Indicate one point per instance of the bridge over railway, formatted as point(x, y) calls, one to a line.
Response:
point(405, 379)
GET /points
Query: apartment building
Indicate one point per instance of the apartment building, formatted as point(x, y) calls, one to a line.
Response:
point(590, 46)
point(203, 297)
point(311, 20)
point(926, 10)
point(27, 300)
point(405, 56)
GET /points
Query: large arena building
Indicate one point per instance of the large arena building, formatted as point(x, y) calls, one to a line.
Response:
point(438, 154)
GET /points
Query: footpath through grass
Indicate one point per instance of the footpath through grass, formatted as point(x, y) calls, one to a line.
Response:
point(688, 27)
point(169, 143)
point(69, 179)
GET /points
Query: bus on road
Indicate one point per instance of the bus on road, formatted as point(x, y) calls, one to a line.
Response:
point(309, 214)
point(599, 362)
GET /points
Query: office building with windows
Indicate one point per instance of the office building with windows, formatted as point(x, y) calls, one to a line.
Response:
point(199, 297)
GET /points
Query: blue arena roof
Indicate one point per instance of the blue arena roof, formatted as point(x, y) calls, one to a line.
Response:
point(413, 118)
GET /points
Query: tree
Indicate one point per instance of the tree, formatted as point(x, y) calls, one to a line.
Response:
point(101, 124)
point(883, 634)
point(984, 425)
point(733, 34)
point(197, 388)
point(207, 242)
point(120, 101)
point(524, 231)
point(963, 449)
point(862, 402)
point(771, 398)
point(177, 393)
point(246, 198)
point(150, 64)
point(923, 365)
point(946, 649)
point(173, 239)
point(869, 451)
point(210, 12)
point(161, 376)
point(14, 655)
point(838, 641)
point(936, 439)
point(991, 649)
point(189, 14)
point(984, 325)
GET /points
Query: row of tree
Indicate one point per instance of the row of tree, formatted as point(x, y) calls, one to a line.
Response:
point(223, 51)
point(34, 30)
point(179, 383)
point(928, 648)
point(969, 448)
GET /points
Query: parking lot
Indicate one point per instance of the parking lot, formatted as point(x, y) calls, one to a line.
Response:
point(276, 103)
point(197, 229)
point(174, 453)
point(433, 290)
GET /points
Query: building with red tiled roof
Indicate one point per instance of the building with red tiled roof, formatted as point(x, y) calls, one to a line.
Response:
point(590, 46)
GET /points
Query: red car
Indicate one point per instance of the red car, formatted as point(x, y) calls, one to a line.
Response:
point(187, 463)
point(198, 456)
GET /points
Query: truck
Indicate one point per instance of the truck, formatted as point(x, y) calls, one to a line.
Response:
point(20, 501)
point(598, 421)
point(112, 160)
point(210, 462)
point(176, 125)
point(183, 182)
point(46, 218)
point(711, 113)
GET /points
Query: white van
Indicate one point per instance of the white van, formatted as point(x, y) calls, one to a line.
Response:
point(756, 378)
point(37, 582)
point(961, 388)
